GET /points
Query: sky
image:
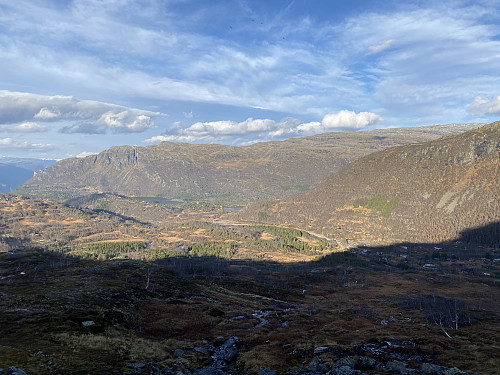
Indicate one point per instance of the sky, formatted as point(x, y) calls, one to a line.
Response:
point(80, 76)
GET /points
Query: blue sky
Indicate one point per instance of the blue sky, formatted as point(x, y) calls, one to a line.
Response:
point(77, 77)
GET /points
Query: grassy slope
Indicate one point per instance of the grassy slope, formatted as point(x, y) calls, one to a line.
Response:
point(423, 192)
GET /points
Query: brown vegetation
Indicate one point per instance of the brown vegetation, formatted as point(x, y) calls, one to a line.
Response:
point(220, 173)
point(427, 192)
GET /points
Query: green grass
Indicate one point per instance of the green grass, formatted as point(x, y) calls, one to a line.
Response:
point(377, 204)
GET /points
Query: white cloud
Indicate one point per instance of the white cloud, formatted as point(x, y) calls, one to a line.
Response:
point(18, 106)
point(48, 114)
point(169, 52)
point(177, 138)
point(311, 128)
point(350, 120)
point(188, 65)
point(83, 128)
point(484, 106)
point(266, 129)
point(28, 127)
point(85, 154)
point(24, 127)
point(381, 47)
point(230, 127)
point(126, 121)
point(9, 143)
point(342, 120)
point(6, 141)
point(445, 52)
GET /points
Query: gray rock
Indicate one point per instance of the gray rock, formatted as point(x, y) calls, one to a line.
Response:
point(136, 366)
point(346, 361)
point(454, 371)
point(154, 369)
point(231, 354)
point(88, 323)
point(366, 363)
point(220, 339)
point(429, 368)
point(229, 342)
point(344, 370)
point(210, 371)
point(1, 371)
point(199, 349)
point(321, 349)
point(399, 367)
point(15, 371)
point(265, 371)
point(178, 353)
point(318, 366)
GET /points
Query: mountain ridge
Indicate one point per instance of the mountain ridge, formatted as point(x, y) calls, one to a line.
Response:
point(220, 172)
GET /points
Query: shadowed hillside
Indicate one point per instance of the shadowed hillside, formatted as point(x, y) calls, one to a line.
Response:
point(217, 172)
point(91, 292)
point(422, 192)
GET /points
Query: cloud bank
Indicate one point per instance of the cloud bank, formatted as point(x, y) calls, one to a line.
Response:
point(96, 116)
point(266, 129)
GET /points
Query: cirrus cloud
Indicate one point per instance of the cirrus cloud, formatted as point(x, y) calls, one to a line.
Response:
point(381, 47)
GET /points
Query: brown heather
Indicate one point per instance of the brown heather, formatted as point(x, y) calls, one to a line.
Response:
point(427, 192)
point(220, 173)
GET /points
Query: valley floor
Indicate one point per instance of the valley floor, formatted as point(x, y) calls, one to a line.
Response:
point(235, 299)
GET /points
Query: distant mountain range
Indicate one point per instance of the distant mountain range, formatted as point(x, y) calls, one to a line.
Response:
point(221, 173)
point(16, 171)
point(428, 192)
